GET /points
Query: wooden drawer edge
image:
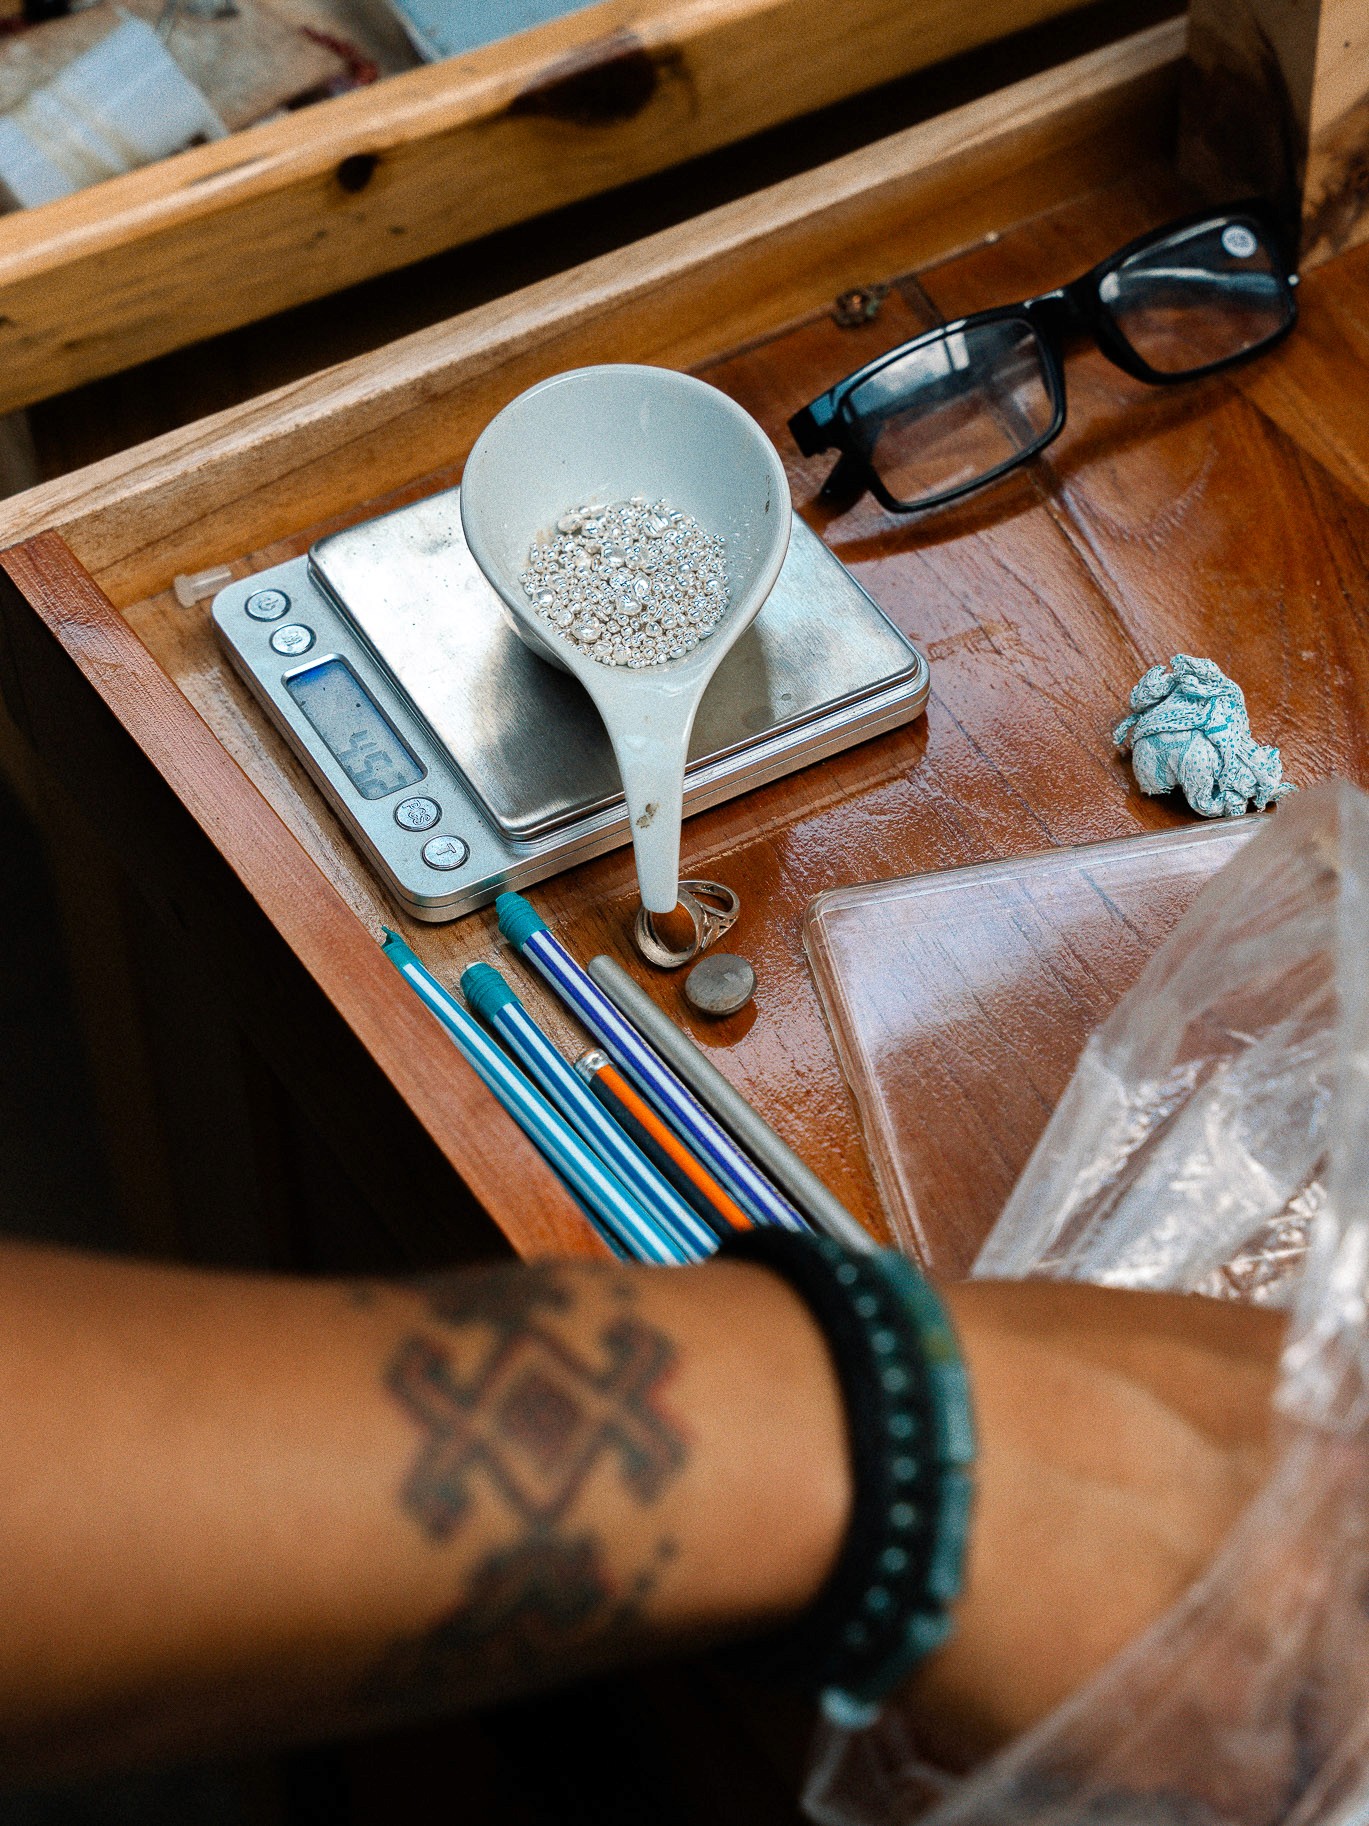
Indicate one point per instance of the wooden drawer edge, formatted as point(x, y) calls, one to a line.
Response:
point(487, 1151)
point(235, 481)
point(300, 207)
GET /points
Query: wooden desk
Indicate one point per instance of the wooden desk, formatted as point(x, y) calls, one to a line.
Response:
point(312, 1113)
point(1225, 518)
point(254, 880)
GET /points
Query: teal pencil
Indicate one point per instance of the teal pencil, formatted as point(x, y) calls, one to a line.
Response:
point(490, 997)
point(594, 1186)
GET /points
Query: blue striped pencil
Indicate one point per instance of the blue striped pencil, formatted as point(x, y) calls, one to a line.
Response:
point(489, 996)
point(525, 928)
point(594, 1186)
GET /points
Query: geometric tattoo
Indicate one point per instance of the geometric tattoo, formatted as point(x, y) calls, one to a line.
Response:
point(535, 1419)
point(506, 1296)
point(526, 1607)
point(520, 1414)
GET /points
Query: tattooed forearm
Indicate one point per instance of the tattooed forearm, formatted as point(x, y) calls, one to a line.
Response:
point(527, 1611)
point(529, 1388)
point(533, 1420)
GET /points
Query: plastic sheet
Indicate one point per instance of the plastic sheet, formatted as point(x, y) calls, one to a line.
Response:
point(959, 1002)
point(1215, 1137)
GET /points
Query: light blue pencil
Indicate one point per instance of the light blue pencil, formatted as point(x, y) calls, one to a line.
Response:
point(490, 997)
point(614, 1244)
point(524, 927)
point(587, 1176)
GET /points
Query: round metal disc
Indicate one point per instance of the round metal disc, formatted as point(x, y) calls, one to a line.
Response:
point(720, 984)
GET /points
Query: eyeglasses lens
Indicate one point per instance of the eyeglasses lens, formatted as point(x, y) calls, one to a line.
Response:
point(1203, 295)
point(954, 410)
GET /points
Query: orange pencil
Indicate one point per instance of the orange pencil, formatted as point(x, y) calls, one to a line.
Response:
point(660, 1144)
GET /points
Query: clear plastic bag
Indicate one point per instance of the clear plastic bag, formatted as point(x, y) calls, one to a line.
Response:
point(1214, 1138)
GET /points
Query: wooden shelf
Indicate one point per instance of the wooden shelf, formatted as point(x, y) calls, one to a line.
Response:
point(1227, 518)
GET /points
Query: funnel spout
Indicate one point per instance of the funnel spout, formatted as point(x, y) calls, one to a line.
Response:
point(656, 841)
point(651, 757)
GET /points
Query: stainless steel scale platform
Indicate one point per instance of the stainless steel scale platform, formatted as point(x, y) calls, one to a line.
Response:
point(463, 764)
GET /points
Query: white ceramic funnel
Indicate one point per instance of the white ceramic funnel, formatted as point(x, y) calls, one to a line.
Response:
point(606, 434)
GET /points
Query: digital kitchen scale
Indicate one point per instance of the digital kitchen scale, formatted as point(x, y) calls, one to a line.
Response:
point(463, 764)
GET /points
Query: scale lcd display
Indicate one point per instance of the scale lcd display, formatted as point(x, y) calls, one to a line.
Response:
point(360, 739)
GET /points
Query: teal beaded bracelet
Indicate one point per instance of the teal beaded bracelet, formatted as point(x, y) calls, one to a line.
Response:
point(886, 1603)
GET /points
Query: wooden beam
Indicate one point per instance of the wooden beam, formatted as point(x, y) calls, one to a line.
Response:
point(233, 482)
point(300, 207)
point(1276, 101)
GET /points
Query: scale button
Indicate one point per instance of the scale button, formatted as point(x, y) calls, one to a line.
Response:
point(267, 605)
point(445, 852)
point(294, 640)
point(420, 815)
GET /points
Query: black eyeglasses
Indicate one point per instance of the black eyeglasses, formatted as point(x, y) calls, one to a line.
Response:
point(961, 405)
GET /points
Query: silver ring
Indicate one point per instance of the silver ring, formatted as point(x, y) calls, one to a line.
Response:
point(712, 908)
point(651, 946)
point(718, 905)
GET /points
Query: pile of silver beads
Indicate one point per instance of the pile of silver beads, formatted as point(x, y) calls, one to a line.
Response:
point(631, 583)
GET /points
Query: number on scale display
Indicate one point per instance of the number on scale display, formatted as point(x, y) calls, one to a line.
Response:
point(349, 722)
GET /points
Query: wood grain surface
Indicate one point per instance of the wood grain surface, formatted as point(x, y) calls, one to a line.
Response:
point(317, 199)
point(1229, 518)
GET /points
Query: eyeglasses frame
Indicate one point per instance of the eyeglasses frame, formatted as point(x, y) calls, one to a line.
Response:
point(827, 423)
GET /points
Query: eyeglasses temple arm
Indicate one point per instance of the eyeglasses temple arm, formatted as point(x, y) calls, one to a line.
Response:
point(846, 481)
point(811, 428)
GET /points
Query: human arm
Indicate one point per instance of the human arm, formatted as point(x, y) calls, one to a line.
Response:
point(1121, 1434)
point(240, 1506)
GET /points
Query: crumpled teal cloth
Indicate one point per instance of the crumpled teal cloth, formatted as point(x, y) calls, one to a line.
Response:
point(1188, 728)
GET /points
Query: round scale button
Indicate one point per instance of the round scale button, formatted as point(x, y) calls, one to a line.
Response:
point(293, 640)
point(445, 852)
point(419, 815)
point(267, 605)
